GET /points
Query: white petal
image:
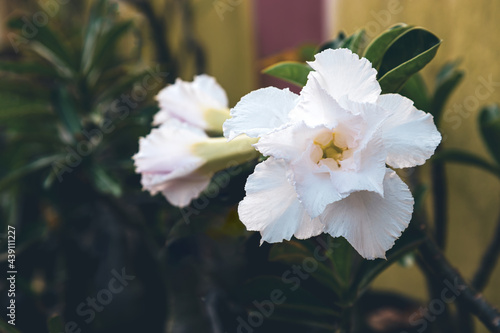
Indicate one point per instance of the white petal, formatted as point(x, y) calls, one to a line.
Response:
point(409, 135)
point(342, 73)
point(188, 101)
point(179, 192)
point(370, 222)
point(259, 112)
point(313, 185)
point(167, 148)
point(288, 142)
point(271, 205)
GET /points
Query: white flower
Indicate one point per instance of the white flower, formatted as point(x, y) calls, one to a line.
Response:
point(179, 160)
point(202, 103)
point(328, 149)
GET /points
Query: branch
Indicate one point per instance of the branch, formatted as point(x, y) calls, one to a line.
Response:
point(488, 262)
point(438, 175)
point(434, 258)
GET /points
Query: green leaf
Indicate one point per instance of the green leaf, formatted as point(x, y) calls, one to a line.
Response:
point(294, 252)
point(407, 55)
point(7, 328)
point(105, 183)
point(342, 256)
point(376, 50)
point(39, 164)
point(55, 324)
point(416, 90)
point(333, 44)
point(464, 157)
point(355, 42)
point(64, 106)
point(447, 80)
point(16, 107)
point(26, 68)
point(489, 123)
point(291, 71)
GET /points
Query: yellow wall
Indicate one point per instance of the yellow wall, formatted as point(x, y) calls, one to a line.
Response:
point(470, 32)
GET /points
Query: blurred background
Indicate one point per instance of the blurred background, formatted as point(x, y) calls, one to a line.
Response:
point(88, 71)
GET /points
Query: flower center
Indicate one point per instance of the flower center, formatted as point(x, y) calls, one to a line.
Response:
point(331, 149)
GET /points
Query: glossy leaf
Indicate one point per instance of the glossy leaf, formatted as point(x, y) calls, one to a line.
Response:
point(489, 122)
point(446, 82)
point(377, 48)
point(407, 55)
point(291, 71)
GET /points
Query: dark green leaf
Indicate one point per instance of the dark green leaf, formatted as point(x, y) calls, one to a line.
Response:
point(26, 68)
point(489, 122)
point(416, 90)
point(105, 183)
point(29, 168)
point(355, 42)
point(55, 324)
point(64, 106)
point(376, 50)
point(333, 44)
point(7, 328)
point(17, 107)
point(291, 71)
point(447, 80)
point(407, 55)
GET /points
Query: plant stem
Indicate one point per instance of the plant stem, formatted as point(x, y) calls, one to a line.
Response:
point(438, 174)
point(490, 258)
point(434, 258)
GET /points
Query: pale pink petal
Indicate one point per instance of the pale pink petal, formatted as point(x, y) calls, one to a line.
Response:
point(271, 205)
point(260, 112)
point(409, 135)
point(342, 73)
point(370, 222)
point(179, 192)
point(188, 101)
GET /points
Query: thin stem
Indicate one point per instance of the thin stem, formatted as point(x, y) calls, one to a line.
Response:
point(438, 174)
point(434, 258)
point(490, 258)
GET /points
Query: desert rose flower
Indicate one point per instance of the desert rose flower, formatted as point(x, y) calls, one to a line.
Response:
point(179, 160)
point(202, 103)
point(329, 149)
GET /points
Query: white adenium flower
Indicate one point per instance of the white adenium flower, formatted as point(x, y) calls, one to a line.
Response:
point(328, 149)
point(202, 103)
point(179, 160)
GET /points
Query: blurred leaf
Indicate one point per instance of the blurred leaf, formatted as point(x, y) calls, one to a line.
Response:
point(27, 169)
point(342, 255)
point(7, 328)
point(294, 252)
point(291, 71)
point(370, 269)
point(104, 182)
point(59, 65)
point(125, 84)
point(333, 44)
point(26, 68)
point(307, 52)
point(489, 123)
point(355, 42)
point(447, 80)
point(16, 107)
point(55, 324)
point(377, 48)
point(416, 90)
point(407, 55)
point(64, 106)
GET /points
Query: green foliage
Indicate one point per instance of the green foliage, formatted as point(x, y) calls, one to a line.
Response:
point(291, 71)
